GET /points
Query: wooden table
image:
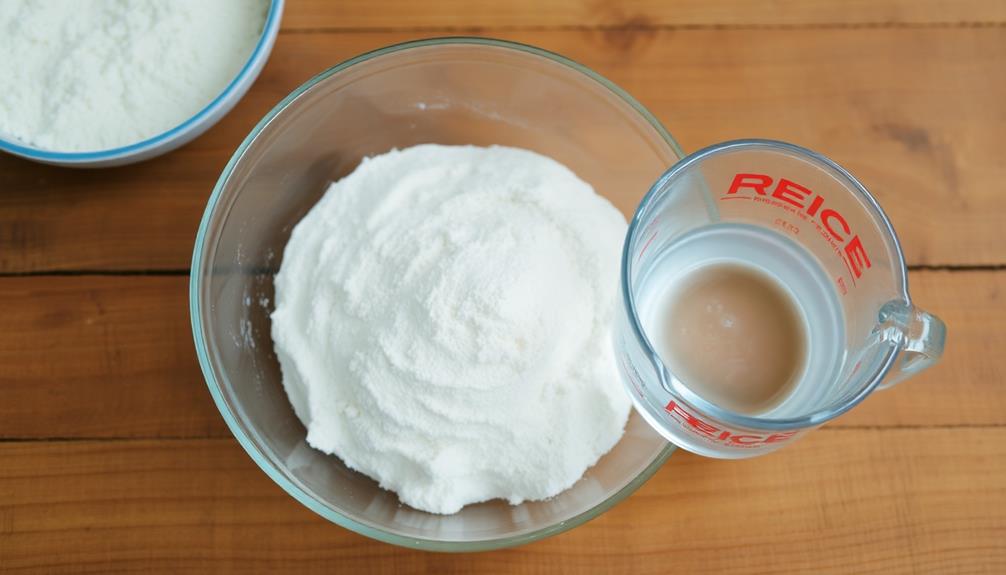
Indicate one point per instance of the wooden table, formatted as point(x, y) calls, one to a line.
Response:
point(113, 457)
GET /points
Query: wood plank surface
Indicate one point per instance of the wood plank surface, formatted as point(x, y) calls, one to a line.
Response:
point(113, 457)
point(101, 356)
point(857, 501)
point(113, 357)
point(467, 14)
point(916, 113)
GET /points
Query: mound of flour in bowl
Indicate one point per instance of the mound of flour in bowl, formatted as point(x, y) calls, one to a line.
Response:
point(89, 75)
point(442, 322)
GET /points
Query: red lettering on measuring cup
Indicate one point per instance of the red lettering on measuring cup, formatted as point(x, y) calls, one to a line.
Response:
point(679, 412)
point(857, 256)
point(757, 182)
point(777, 437)
point(719, 434)
point(791, 192)
point(815, 206)
point(826, 218)
point(833, 226)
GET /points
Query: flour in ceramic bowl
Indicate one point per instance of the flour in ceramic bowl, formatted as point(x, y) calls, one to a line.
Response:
point(442, 323)
point(87, 75)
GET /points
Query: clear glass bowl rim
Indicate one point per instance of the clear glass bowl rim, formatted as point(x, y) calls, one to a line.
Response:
point(195, 312)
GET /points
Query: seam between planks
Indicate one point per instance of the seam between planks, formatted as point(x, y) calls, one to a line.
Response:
point(94, 272)
point(644, 27)
point(185, 271)
point(171, 438)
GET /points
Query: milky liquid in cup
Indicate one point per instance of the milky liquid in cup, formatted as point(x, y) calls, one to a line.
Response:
point(732, 334)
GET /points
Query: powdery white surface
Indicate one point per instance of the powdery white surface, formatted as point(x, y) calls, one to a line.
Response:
point(86, 75)
point(442, 322)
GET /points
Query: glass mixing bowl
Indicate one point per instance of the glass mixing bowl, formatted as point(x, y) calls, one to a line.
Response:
point(447, 91)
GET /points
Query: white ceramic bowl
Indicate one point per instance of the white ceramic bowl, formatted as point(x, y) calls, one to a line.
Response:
point(181, 134)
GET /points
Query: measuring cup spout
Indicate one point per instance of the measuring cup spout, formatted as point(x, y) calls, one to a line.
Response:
point(920, 335)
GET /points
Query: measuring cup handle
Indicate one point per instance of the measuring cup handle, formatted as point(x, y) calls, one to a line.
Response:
point(922, 337)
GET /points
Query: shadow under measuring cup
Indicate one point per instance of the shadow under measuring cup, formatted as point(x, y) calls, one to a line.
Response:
point(806, 221)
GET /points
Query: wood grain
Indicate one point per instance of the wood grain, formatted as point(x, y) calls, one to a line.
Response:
point(100, 356)
point(917, 113)
point(853, 501)
point(113, 357)
point(114, 458)
point(466, 14)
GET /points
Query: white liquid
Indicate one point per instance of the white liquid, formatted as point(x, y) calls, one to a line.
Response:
point(793, 269)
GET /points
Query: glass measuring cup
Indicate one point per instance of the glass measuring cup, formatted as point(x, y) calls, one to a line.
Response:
point(805, 220)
